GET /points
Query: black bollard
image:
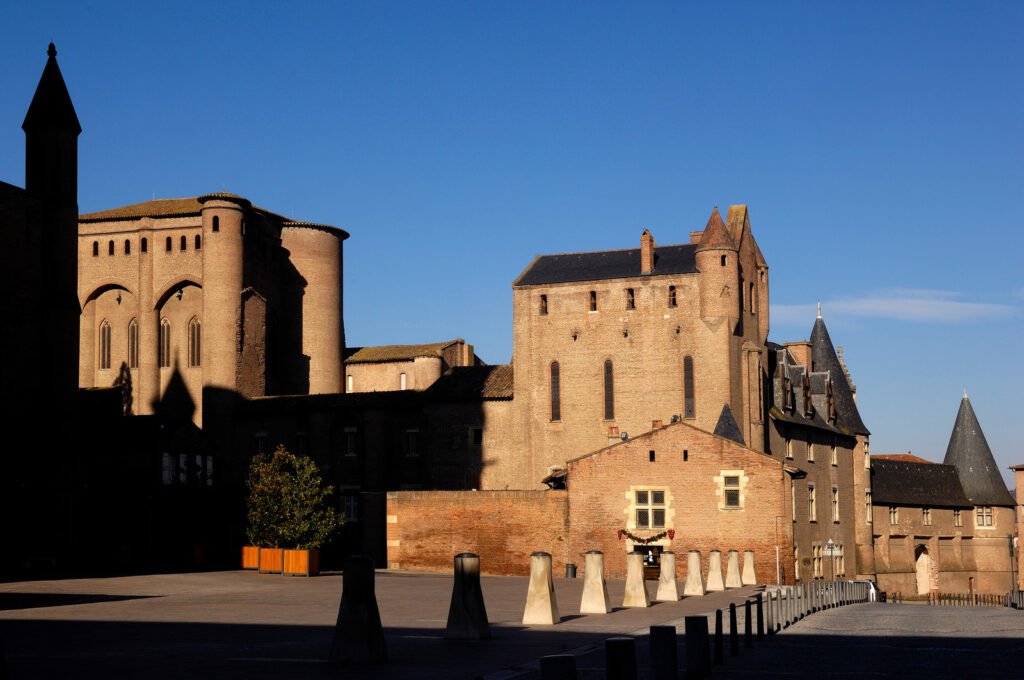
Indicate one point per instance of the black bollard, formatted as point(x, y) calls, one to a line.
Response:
point(467, 616)
point(698, 661)
point(558, 667)
point(734, 638)
point(620, 658)
point(748, 640)
point(664, 664)
point(358, 634)
point(760, 618)
point(718, 638)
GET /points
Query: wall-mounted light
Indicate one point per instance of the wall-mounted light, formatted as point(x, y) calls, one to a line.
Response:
point(118, 297)
point(181, 291)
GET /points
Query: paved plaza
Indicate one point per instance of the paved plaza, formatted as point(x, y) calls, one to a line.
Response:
point(247, 625)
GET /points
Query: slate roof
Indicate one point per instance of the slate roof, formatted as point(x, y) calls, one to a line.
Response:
point(824, 358)
point(727, 427)
point(607, 264)
point(386, 353)
point(468, 383)
point(905, 457)
point(51, 107)
point(900, 482)
point(969, 452)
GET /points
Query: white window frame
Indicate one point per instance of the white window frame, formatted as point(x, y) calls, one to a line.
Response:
point(402, 381)
point(835, 504)
point(649, 506)
point(812, 504)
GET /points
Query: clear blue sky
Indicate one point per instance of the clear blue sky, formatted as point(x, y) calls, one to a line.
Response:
point(878, 146)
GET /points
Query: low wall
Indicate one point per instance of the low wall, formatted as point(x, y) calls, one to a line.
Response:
point(426, 529)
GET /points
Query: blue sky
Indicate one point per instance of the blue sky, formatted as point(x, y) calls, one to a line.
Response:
point(878, 146)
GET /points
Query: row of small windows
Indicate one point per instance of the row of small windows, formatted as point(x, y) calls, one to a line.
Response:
point(144, 245)
point(194, 344)
point(689, 405)
point(630, 300)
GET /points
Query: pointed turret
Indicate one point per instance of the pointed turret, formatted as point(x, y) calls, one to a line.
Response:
point(824, 358)
point(716, 236)
point(727, 426)
point(51, 107)
point(969, 452)
point(51, 139)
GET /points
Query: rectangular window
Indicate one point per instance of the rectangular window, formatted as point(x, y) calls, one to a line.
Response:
point(300, 442)
point(671, 296)
point(556, 397)
point(182, 468)
point(649, 508)
point(351, 435)
point(840, 559)
point(958, 519)
point(789, 448)
point(812, 507)
point(984, 516)
point(593, 300)
point(835, 504)
point(168, 469)
point(894, 515)
point(792, 497)
point(350, 383)
point(832, 447)
point(402, 381)
point(816, 552)
point(796, 562)
point(350, 506)
point(413, 443)
point(208, 472)
point(810, 451)
point(261, 443)
point(543, 305)
point(732, 492)
point(867, 507)
point(475, 435)
point(630, 299)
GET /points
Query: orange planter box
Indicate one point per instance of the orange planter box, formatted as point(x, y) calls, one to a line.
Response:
point(301, 563)
point(271, 560)
point(250, 557)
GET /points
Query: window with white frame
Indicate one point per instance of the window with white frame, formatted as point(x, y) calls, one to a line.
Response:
point(867, 506)
point(796, 562)
point(816, 552)
point(812, 505)
point(894, 515)
point(810, 450)
point(731, 491)
point(789, 447)
point(867, 456)
point(984, 516)
point(402, 381)
point(832, 450)
point(649, 508)
point(835, 504)
point(926, 516)
point(840, 559)
point(350, 383)
point(958, 518)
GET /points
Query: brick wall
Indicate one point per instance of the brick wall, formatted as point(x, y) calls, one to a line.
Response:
point(426, 529)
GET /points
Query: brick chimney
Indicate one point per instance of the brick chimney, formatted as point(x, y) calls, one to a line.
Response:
point(646, 253)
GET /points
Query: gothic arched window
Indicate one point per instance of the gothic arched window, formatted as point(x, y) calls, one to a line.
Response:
point(165, 343)
point(194, 343)
point(95, 248)
point(133, 344)
point(168, 244)
point(104, 344)
point(184, 243)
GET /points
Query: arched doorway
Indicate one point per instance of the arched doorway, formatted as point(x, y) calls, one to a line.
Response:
point(924, 570)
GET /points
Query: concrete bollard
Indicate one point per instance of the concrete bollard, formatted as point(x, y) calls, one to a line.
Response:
point(541, 605)
point(636, 589)
point(760, 618)
point(732, 573)
point(698, 659)
point(668, 591)
point(715, 582)
point(734, 638)
point(620, 658)
point(769, 620)
point(718, 638)
point(595, 587)
point(558, 667)
point(467, 616)
point(694, 585)
point(749, 576)
point(748, 634)
point(664, 663)
point(358, 634)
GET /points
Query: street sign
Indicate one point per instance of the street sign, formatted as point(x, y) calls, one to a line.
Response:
point(830, 549)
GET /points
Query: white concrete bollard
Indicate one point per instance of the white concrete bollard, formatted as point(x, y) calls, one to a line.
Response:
point(732, 574)
point(668, 591)
point(636, 591)
point(749, 577)
point(595, 587)
point(541, 605)
point(715, 581)
point(694, 585)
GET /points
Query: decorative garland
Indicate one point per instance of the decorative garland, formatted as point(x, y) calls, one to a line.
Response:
point(671, 533)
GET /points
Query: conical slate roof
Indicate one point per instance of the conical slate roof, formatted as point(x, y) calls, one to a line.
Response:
point(970, 453)
point(727, 426)
point(824, 358)
point(51, 107)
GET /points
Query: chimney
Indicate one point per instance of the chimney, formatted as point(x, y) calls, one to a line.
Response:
point(646, 253)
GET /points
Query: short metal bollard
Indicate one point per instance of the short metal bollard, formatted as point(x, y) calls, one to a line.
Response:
point(760, 618)
point(748, 636)
point(570, 570)
point(698, 661)
point(718, 638)
point(620, 658)
point(734, 638)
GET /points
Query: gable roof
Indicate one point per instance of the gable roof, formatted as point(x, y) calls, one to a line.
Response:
point(51, 107)
point(727, 427)
point(606, 264)
point(901, 482)
point(386, 353)
point(161, 207)
point(905, 457)
point(468, 383)
point(969, 452)
point(824, 358)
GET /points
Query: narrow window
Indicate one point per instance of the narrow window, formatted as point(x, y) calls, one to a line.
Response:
point(216, 223)
point(832, 446)
point(168, 246)
point(958, 519)
point(810, 450)
point(650, 456)
point(95, 248)
point(165, 343)
point(261, 444)
point(796, 562)
point(593, 300)
point(144, 245)
point(723, 260)
point(401, 381)
point(867, 456)
point(835, 504)
point(609, 392)
point(926, 516)
point(300, 440)
point(194, 343)
point(199, 242)
point(543, 305)
point(671, 296)
point(413, 439)
point(104, 345)
point(732, 491)
point(894, 515)
point(867, 507)
point(349, 384)
point(789, 447)
point(753, 303)
point(812, 505)
point(184, 243)
point(133, 344)
point(351, 438)
point(127, 247)
point(630, 299)
point(689, 407)
point(743, 303)
point(351, 504)
point(110, 248)
point(556, 400)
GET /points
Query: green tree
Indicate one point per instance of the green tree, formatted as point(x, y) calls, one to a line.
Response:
point(289, 504)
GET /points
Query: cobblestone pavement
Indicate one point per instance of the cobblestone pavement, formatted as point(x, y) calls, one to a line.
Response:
point(247, 625)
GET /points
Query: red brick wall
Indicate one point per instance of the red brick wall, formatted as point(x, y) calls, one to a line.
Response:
point(427, 529)
point(601, 487)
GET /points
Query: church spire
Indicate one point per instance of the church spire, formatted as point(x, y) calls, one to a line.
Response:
point(969, 452)
point(51, 107)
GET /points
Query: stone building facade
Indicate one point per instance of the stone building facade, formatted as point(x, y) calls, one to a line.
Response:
point(211, 288)
point(404, 367)
point(1018, 473)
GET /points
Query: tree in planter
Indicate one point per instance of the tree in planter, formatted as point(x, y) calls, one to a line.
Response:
point(289, 505)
